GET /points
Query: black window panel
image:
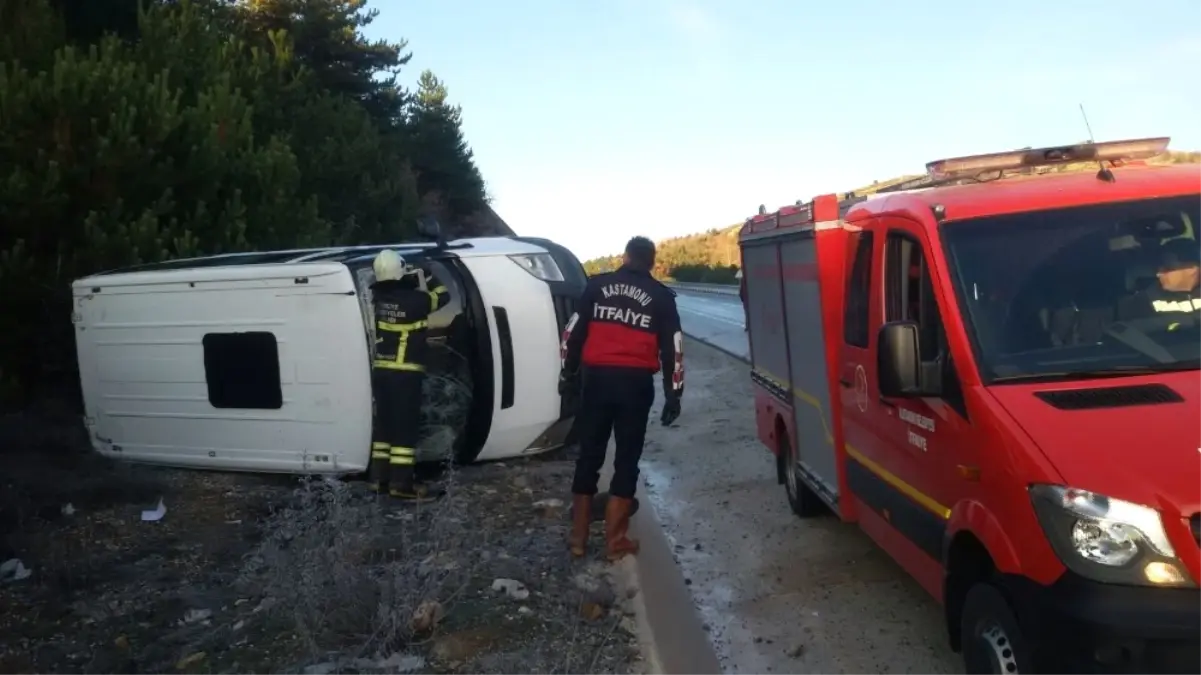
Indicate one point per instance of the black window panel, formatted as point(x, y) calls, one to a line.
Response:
point(856, 318)
point(242, 370)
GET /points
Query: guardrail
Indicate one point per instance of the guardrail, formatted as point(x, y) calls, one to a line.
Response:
point(716, 289)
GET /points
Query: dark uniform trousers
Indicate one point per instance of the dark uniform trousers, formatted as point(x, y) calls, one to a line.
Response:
point(397, 377)
point(394, 451)
point(615, 402)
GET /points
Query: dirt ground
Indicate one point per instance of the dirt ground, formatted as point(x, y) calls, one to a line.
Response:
point(249, 573)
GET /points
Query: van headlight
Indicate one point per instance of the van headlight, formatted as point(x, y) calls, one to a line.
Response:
point(1107, 540)
point(541, 265)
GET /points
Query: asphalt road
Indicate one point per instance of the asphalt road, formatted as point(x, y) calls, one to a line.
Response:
point(714, 318)
point(777, 594)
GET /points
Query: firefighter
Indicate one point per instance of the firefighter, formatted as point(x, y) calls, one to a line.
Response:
point(626, 329)
point(401, 308)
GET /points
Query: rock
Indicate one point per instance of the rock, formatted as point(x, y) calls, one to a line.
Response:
point(401, 663)
point(603, 596)
point(14, 570)
point(321, 668)
point(512, 588)
point(189, 661)
point(426, 616)
point(121, 642)
point(264, 605)
point(549, 508)
point(238, 626)
point(591, 611)
point(524, 610)
point(629, 625)
point(197, 615)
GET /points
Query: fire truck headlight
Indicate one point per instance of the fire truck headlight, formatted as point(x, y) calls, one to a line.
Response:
point(1106, 539)
point(541, 265)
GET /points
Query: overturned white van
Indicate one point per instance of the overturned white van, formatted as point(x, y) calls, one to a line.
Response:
point(261, 361)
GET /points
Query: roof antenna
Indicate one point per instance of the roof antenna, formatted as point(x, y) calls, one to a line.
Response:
point(1104, 174)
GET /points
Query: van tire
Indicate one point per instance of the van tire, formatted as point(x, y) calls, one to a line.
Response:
point(803, 501)
point(991, 640)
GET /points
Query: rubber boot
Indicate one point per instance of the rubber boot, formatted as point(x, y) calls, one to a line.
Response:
point(377, 470)
point(581, 519)
point(402, 483)
point(617, 525)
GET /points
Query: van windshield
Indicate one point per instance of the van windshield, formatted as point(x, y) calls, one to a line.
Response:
point(1089, 291)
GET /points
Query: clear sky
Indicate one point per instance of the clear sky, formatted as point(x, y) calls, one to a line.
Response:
point(595, 120)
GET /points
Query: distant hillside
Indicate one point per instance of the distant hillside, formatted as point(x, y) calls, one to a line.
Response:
point(712, 256)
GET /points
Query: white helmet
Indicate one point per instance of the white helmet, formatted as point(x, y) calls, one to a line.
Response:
point(389, 266)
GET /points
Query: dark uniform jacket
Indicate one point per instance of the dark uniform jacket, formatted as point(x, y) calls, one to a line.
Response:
point(1171, 305)
point(401, 321)
point(627, 319)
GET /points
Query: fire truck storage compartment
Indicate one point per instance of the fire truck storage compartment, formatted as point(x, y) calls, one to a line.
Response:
point(788, 345)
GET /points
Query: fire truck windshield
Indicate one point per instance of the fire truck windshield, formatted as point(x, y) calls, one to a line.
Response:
point(1080, 292)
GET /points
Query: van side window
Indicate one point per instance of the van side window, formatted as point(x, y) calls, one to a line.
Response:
point(855, 320)
point(242, 370)
point(909, 295)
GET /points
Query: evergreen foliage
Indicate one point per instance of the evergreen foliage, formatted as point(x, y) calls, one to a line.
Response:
point(136, 133)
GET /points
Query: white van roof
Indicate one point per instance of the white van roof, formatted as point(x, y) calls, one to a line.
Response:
point(292, 262)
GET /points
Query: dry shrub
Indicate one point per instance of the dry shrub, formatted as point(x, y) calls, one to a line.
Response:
point(350, 570)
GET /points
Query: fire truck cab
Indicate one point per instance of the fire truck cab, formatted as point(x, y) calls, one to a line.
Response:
point(993, 370)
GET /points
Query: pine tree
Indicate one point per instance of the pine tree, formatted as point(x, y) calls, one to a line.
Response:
point(328, 40)
point(446, 172)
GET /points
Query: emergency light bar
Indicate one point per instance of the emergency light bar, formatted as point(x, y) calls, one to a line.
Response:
point(1112, 151)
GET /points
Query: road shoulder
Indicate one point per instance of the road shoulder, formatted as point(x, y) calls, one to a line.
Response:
point(671, 634)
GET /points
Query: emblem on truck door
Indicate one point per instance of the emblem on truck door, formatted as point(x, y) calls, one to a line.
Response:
point(860, 388)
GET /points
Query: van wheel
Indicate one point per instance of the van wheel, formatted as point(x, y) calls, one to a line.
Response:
point(804, 502)
point(991, 640)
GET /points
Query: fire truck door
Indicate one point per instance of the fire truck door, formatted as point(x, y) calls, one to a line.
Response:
point(898, 450)
point(920, 454)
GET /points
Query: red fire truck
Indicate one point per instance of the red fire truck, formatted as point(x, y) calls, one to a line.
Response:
point(993, 370)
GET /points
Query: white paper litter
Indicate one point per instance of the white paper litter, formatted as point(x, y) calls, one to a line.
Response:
point(14, 570)
point(156, 513)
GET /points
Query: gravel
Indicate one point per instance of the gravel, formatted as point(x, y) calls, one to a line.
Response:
point(249, 573)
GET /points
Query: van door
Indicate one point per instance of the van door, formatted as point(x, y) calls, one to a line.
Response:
point(901, 453)
point(455, 373)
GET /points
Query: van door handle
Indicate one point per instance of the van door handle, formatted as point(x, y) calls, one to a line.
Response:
point(845, 383)
point(884, 401)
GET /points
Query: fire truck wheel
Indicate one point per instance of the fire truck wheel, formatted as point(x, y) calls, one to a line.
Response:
point(991, 639)
point(804, 501)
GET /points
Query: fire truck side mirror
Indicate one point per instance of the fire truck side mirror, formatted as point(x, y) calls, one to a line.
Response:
point(898, 362)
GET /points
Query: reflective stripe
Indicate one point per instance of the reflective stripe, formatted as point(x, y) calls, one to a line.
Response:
point(402, 456)
point(401, 327)
point(380, 445)
point(434, 297)
point(392, 365)
point(379, 454)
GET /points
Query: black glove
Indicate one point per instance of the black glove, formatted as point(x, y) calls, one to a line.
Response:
point(569, 383)
point(671, 410)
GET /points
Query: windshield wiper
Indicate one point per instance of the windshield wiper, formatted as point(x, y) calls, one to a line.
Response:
point(1112, 371)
